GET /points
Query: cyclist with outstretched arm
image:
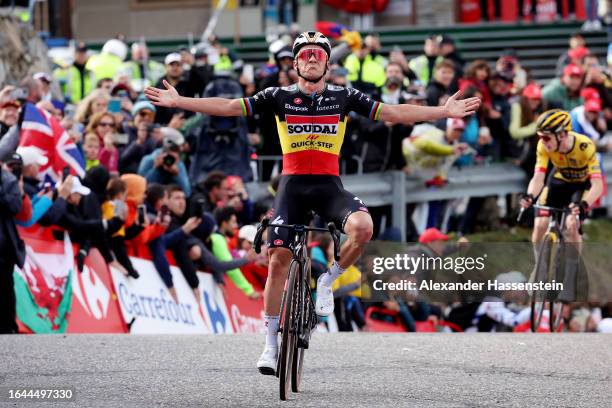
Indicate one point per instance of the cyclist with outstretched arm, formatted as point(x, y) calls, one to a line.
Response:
point(311, 117)
point(575, 181)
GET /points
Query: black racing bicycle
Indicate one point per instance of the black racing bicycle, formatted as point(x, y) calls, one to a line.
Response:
point(298, 317)
point(548, 269)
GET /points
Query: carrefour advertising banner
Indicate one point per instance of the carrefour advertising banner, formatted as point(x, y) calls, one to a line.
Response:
point(147, 306)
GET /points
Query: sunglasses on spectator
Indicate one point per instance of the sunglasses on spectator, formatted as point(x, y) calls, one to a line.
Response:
point(106, 124)
point(145, 113)
point(318, 53)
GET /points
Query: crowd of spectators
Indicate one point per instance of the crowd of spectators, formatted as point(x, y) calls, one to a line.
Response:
point(163, 181)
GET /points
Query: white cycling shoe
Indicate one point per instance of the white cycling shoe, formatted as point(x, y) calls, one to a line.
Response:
point(325, 299)
point(267, 361)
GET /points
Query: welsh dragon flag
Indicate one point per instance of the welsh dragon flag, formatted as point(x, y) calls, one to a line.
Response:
point(43, 286)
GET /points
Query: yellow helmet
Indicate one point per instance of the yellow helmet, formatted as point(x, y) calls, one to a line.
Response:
point(554, 121)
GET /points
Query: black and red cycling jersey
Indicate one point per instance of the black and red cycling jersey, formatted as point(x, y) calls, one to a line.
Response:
point(311, 127)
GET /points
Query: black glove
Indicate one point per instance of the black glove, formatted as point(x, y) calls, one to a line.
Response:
point(528, 197)
point(584, 209)
point(113, 225)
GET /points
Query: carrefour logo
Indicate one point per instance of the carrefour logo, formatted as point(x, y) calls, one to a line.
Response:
point(159, 308)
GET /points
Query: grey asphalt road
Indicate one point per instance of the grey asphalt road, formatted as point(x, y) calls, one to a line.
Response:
point(342, 370)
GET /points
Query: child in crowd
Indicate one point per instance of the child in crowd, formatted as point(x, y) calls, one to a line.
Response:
point(91, 148)
point(116, 207)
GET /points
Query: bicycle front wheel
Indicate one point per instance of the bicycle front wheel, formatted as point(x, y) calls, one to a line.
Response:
point(544, 267)
point(304, 329)
point(288, 332)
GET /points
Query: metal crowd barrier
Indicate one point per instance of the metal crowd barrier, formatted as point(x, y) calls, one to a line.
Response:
point(396, 189)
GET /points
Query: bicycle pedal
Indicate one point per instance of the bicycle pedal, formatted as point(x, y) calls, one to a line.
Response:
point(267, 371)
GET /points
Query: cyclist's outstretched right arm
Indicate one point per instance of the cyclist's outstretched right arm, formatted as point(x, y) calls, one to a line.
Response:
point(170, 98)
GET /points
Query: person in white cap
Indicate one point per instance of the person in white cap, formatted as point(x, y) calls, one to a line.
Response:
point(44, 84)
point(174, 76)
point(33, 159)
point(77, 192)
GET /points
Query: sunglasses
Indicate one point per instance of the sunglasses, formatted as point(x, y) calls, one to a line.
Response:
point(545, 137)
point(145, 113)
point(106, 124)
point(318, 53)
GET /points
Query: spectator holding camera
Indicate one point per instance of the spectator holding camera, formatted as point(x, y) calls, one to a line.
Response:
point(144, 137)
point(9, 116)
point(26, 163)
point(156, 203)
point(9, 109)
point(238, 199)
point(164, 166)
point(203, 247)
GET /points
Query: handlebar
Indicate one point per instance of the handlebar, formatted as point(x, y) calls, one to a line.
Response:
point(546, 208)
point(260, 230)
point(331, 228)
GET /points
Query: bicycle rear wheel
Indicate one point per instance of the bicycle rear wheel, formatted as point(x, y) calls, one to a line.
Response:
point(543, 269)
point(288, 331)
point(304, 304)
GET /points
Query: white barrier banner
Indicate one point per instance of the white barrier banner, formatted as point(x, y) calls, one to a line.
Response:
point(213, 305)
point(147, 305)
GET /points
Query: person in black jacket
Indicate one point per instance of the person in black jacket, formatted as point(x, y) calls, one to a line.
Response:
point(12, 248)
point(441, 83)
point(174, 76)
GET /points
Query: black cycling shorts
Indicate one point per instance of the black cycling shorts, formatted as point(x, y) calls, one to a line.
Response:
point(560, 194)
point(298, 195)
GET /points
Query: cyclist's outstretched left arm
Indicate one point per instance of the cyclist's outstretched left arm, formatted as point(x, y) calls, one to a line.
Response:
point(453, 108)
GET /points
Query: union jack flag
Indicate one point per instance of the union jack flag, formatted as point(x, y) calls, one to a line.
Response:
point(40, 129)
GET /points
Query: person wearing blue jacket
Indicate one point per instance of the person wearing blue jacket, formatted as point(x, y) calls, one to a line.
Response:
point(164, 166)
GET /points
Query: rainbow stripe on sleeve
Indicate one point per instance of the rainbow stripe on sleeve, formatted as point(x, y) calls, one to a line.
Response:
point(375, 111)
point(247, 109)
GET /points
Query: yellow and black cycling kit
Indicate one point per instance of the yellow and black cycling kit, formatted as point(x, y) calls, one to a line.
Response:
point(576, 166)
point(569, 181)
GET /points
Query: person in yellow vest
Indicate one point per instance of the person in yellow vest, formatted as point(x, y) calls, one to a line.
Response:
point(366, 66)
point(423, 65)
point(76, 81)
point(109, 62)
point(224, 61)
point(141, 70)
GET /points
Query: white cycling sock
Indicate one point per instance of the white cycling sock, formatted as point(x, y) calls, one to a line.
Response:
point(332, 274)
point(271, 323)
